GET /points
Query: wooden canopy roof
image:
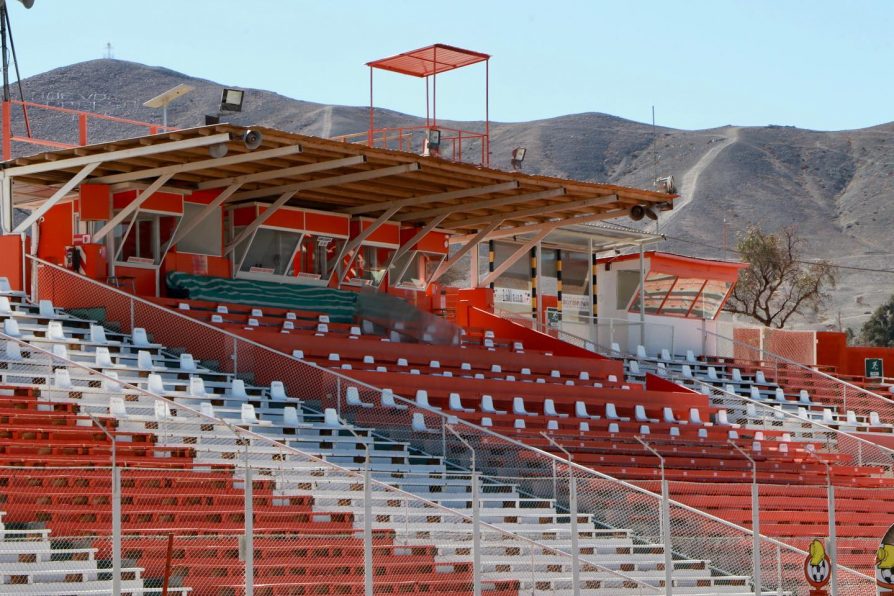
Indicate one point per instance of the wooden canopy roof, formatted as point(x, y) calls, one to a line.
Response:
point(330, 175)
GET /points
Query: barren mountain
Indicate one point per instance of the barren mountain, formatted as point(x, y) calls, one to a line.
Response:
point(836, 186)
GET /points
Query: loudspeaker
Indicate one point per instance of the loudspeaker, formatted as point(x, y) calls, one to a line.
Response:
point(219, 150)
point(637, 212)
point(252, 139)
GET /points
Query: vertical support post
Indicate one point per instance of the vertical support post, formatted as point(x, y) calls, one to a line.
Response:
point(491, 255)
point(116, 523)
point(594, 287)
point(166, 580)
point(338, 396)
point(7, 130)
point(575, 548)
point(474, 275)
point(369, 133)
point(832, 546)
point(434, 89)
point(642, 296)
point(367, 528)
point(6, 219)
point(755, 521)
point(559, 280)
point(486, 113)
point(779, 591)
point(534, 285)
point(82, 127)
point(476, 534)
point(249, 540)
point(132, 314)
point(666, 534)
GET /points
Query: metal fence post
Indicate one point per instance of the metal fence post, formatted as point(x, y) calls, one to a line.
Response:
point(832, 546)
point(755, 522)
point(116, 526)
point(476, 514)
point(779, 570)
point(248, 539)
point(572, 509)
point(132, 315)
point(664, 522)
point(367, 529)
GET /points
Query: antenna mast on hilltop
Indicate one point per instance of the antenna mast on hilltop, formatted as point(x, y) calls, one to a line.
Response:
point(108, 53)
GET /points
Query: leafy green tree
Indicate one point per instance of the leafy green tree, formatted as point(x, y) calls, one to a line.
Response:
point(878, 330)
point(779, 282)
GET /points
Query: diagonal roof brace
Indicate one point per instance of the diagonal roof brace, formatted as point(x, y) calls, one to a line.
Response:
point(57, 196)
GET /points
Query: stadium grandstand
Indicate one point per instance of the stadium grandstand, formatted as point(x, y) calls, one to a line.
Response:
point(236, 360)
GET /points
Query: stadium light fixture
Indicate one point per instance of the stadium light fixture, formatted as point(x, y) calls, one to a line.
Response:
point(518, 156)
point(231, 100)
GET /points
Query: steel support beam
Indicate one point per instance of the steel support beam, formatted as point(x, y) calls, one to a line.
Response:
point(57, 196)
point(199, 165)
point(76, 162)
point(353, 244)
point(259, 220)
point(131, 207)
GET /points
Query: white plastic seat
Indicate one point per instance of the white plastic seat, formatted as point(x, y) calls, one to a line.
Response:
point(722, 418)
point(756, 393)
point(525, 371)
point(116, 407)
point(518, 347)
point(611, 413)
point(703, 433)
point(456, 404)
point(257, 312)
point(155, 384)
point(639, 414)
point(496, 368)
point(55, 330)
point(580, 411)
point(584, 376)
point(644, 430)
point(13, 350)
point(641, 352)
point(299, 354)
point(422, 399)
point(695, 416)
point(756, 446)
point(290, 316)
point(197, 387)
point(187, 362)
point(182, 306)
point(690, 356)
point(712, 374)
point(5, 306)
point(418, 424)
point(322, 328)
point(334, 357)
point(874, 419)
point(488, 343)
point(760, 378)
point(674, 431)
point(278, 391)
point(223, 309)
point(346, 366)
point(737, 375)
point(759, 435)
point(583, 427)
point(102, 358)
point(780, 395)
point(323, 318)
point(354, 331)
point(518, 407)
point(668, 415)
point(485, 421)
point(216, 319)
point(98, 334)
point(248, 414)
point(519, 424)
point(388, 400)
point(330, 418)
point(555, 374)
point(352, 398)
point(751, 410)
point(612, 379)
point(732, 435)
point(851, 417)
point(804, 397)
point(613, 428)
point(615, 348)
point(402, 362)
point(144, 360)
point(549, 409)
point(487, 405)
point(730, 388)
point(828, 417)
point(434, 364)
point(288, 325)
point(162, 410)
point(207, 409)
point(45, 308)
point(369, 360)
point(290, 416)
point(139, 337)
point(5, 288)
point(666, 355)
point(552, 425)
point(62, 378)
point(633, 366)
point(686, 371)
point(60, 351)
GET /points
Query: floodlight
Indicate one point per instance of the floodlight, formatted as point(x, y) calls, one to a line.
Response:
point(518, 156)
point(637, 212)
point(211, 119)
point(231, 100)
point(433, 136)
point(666, 184)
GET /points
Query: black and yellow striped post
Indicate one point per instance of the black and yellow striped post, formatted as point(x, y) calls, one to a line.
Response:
point(491, 255)
point(534, 283)
point(594, 286)
point(559, 279)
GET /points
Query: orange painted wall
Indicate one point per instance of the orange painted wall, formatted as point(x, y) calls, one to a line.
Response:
point(11, 263)
point(144, 279)
point(832, 350)
point(56, 233)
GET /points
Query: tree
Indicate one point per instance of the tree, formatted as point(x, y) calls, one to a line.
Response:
point(778, 282)
point(878, 330)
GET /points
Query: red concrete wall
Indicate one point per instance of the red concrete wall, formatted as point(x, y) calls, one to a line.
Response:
point(11, 263)
point(832, 350)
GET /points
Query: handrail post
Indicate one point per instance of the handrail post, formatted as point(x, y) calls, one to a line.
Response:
point(755, 521)
point(116, 508)
point(249, 539)
point(572, 510)
point(367, 512)
point(476, 515)
point(665, 521)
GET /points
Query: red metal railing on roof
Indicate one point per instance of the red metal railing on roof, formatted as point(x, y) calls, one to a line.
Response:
point(410, 138)
point(83, 120)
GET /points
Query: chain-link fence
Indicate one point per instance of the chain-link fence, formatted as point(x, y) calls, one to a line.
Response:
point(705, 549)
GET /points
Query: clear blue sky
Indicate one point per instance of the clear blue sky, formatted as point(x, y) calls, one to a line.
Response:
point(814, 64)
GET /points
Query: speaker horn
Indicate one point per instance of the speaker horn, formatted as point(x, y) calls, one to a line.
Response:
point(637, 212)
point(252, 139)
point(219, 150)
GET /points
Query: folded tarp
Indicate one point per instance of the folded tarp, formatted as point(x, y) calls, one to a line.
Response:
point(339, 305)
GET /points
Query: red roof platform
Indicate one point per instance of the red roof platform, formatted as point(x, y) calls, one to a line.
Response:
point(430, 60)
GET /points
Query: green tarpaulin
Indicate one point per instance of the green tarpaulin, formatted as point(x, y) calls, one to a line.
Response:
point(339, 305)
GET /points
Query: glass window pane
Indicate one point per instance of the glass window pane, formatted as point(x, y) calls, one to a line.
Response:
point(270, 251)
point(317, 256)
point(711, 298)
point(679, 301)
point(656, 287)
point(205, 238)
